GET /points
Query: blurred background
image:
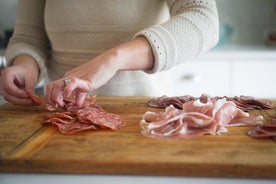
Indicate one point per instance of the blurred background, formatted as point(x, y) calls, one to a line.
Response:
point(246, 23)
point(7, 20)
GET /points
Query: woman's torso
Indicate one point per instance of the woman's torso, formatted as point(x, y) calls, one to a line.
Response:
point(80, 30)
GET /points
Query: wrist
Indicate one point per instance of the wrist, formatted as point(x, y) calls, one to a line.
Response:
point(115, 56)
point(27, 62)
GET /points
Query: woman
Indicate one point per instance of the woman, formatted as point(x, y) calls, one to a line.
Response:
point(106, 47)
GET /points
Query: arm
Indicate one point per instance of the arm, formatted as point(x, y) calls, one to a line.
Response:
point(98, 71)
point(29, 36)
point(191, 31)
point(26, 53)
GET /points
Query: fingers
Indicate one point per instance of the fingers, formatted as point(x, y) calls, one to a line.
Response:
point(59, 90)
point(54, 94)
point(19, 101)
point(12, 89)
point(21, 97)
point(16, 81)
point(77, 85)
point(80, 98)
point(11, 86)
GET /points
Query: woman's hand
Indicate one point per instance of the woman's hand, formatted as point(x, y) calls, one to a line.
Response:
point(133, 55)
point(82, 79)
point(19, 78)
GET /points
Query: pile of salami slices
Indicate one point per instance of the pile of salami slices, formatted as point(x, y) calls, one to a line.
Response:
point(90, 116)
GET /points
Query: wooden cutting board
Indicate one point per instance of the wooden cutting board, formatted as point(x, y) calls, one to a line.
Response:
point(28, 147)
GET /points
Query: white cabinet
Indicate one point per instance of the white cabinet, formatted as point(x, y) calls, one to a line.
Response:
point(251, 73)
point(202, 76)
point(255, 77)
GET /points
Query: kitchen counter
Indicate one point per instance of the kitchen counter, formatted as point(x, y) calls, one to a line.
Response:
point(32, 151)
point(120, 179)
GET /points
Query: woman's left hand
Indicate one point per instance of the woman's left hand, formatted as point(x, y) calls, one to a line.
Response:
point(80, 80)
point(133, 55)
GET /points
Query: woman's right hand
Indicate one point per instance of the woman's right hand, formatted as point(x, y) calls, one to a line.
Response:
point(18, 79)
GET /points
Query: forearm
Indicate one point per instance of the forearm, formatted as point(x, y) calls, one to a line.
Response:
point(29, 36)
point(135, 54)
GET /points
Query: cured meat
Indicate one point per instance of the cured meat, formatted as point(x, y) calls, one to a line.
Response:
point(245, 103)
point(90, 116)
point(267, 130)
point(96, 115)
point(34, 98)
point(164, 101)
point(196, 117)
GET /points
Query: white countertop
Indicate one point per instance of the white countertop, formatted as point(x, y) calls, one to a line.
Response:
point(119, 179)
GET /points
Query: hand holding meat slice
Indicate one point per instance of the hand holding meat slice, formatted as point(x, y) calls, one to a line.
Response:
point(196, 118)
point(17, 82)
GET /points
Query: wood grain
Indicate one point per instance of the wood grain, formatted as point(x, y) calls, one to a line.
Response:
point(28, 147)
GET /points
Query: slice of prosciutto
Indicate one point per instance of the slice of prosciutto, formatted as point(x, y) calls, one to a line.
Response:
point(196, 118)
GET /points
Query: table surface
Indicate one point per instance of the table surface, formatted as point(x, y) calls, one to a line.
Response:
point(28, 147)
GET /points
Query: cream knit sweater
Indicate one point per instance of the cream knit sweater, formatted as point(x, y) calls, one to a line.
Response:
point(62, 34)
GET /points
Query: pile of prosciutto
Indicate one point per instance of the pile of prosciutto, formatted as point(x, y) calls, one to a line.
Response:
point(187, 116)
point(90, 116)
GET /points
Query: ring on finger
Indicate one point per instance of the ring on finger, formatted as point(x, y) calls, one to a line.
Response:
point(66, 81)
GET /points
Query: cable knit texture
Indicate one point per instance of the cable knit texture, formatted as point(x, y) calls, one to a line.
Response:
point(63, 34)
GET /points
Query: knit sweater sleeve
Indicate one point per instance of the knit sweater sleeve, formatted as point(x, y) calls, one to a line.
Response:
point(191, 30)
point(29, 35)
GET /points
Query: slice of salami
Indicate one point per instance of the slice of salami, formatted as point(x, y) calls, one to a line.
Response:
point(98, 116)
point(267, 130)
point(34, 97)
point(88, 117)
